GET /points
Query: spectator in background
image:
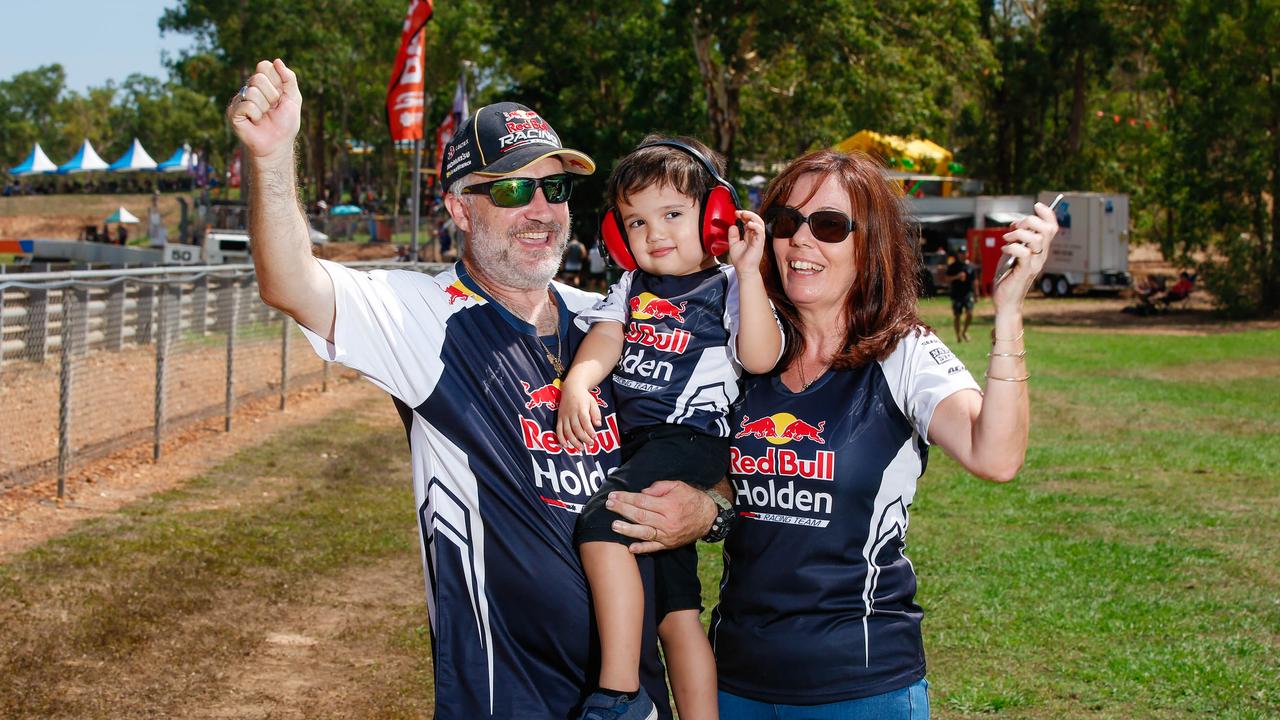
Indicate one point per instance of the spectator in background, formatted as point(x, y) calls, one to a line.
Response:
point(575, 253)
point(445, 241)
point(963, 278)
point(122, 235)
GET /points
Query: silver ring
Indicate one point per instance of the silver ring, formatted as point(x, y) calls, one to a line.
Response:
point(244, 90)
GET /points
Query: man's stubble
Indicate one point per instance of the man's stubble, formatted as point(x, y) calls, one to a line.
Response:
point(496, 257)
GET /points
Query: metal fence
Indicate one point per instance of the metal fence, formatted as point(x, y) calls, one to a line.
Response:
point(95, 361)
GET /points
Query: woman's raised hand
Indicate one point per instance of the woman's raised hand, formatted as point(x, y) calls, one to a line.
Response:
point(1029, 243)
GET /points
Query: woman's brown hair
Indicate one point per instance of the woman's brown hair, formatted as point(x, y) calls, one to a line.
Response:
point(881, 304)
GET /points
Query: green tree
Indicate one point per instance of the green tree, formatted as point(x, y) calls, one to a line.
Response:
point(1220, 173)
point(28, 107)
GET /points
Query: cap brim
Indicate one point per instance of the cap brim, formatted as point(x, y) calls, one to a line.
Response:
point(574, 161)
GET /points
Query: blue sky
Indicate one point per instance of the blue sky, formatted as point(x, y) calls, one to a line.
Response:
point(94, 40)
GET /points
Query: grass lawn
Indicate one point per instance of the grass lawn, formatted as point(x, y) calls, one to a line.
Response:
point(1129, 572)
point(1132, 570)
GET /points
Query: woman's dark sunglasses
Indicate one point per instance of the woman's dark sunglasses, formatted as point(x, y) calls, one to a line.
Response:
point(829, 226)
point(518, 192)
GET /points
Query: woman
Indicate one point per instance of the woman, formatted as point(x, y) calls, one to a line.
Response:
point(817, 617)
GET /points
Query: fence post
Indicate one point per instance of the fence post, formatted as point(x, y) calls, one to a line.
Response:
point(284, 358)
point(162, 352)
point(37, 329)
point(1, 327)
point(113, 328)
point(72, 312)
point(200, 305)
point(79, 319)
point(232, 310)
point(145, 310)
point(226, 298)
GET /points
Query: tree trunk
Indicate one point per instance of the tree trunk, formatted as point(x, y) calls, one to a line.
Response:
point(1271, 274)
point(722, 81)
point(1079, 83)
point(318, 146)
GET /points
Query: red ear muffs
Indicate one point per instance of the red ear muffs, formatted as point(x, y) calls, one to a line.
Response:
point(614, 237)
point(719, 213)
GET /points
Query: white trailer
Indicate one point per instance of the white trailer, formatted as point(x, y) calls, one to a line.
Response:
point(1091, 250)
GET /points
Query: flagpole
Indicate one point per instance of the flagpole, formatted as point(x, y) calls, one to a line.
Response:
point(417, 195)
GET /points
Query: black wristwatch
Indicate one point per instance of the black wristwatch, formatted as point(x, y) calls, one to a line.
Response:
point(726, 518)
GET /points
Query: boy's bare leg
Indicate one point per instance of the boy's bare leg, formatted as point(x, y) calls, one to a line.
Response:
point(690, 665)
point(618, 598)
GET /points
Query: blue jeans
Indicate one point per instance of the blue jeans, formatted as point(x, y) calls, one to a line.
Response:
point(909, 703)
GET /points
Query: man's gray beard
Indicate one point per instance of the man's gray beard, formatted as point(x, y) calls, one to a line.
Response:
point(493, 254)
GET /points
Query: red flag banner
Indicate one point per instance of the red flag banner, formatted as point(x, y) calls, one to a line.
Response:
point(405, 93)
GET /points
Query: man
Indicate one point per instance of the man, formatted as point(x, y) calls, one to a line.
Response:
point(472, 357)
point(962, 276)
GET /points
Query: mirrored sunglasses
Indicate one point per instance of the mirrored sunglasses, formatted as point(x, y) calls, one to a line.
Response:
point(518, 192)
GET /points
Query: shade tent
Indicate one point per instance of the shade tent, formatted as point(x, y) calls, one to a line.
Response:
point(122, 216)
point(181, 160)
point(36, 163)
point(923, 156)
point(135, 158)
point(86, 160)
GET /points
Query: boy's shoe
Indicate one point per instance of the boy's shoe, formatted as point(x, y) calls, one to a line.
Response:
point(600, 706)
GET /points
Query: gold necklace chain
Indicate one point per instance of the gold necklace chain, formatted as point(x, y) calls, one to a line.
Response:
point(556, 363)
point(804, 384)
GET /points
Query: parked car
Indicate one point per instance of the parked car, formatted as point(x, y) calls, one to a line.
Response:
point(933, 274)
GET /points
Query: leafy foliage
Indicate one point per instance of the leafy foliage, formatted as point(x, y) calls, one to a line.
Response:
point(1174, 102)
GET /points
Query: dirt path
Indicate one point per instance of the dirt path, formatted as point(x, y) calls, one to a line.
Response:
point(306, 658)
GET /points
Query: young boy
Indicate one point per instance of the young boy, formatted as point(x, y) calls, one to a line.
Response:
point(676, 335)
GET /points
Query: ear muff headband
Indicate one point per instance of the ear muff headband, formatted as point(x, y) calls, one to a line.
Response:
point(718, 213)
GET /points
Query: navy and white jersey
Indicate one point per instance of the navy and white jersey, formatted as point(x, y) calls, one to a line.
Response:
point(817, 600)
point(496, 496)
point(679, 362)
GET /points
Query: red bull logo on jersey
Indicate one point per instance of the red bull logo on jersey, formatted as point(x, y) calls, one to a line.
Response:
point(457, 291)
point(536, 437)
point(782, 462)
point(549, 395)
point(782, 428)
point(646, 306)
point(676, 341)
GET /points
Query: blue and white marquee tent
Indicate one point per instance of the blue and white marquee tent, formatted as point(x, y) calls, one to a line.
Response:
point(182, 160)
point(86, 160)
point(135, 158)
point(36, 163)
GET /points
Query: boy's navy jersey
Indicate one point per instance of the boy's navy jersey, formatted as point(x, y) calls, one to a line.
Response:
point(496, 495)
point(679, 362)
point(817, 601)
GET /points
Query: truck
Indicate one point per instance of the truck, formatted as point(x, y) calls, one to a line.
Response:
point(1091, 250)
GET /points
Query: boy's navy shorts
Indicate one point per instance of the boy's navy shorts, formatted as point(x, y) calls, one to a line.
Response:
point(650, 454)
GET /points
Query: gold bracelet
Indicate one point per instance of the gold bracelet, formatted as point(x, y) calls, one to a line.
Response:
point(1012, 355)
point(995, 339)
point(1024, 378)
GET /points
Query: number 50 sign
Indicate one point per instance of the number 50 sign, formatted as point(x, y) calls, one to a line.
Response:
point(181, 254)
